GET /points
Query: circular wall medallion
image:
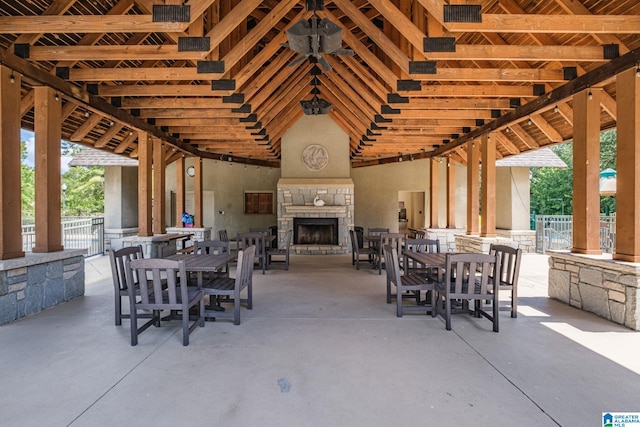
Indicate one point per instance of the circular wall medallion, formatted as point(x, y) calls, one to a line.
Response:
point(191, 171)
point(315, 157)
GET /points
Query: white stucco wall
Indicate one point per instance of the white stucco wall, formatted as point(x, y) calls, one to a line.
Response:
point(512, 198)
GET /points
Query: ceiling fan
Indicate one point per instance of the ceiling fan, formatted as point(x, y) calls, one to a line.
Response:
point(313, 37)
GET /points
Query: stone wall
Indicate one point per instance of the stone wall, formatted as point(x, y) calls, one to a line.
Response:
point(447, 237)
point(521, 239)
point(36, 282)
point(598, 285)
point(295, 200)
point(479, 244)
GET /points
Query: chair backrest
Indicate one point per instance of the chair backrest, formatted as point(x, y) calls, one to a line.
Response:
point(354, 241)
point(118, 268)
point(252, 239)
point(509, 263)
point(469, 274)
point(392, 239)
point(377, 231)
point(266, 231)
point(422, 245)
point(211, 247)
point(161, 274)
point(244, 273)
point(222, 235)
point(420, 234)
point(287, 240)
point(392, 264)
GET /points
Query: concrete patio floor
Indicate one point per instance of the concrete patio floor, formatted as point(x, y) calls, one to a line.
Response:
point(320, 348)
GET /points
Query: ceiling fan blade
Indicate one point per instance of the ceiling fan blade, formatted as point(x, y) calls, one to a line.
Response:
point(324, 63)
point(297, 60)
point(347, 52)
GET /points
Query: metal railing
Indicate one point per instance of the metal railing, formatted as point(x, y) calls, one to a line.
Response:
point(555, 232)
point(77, 233)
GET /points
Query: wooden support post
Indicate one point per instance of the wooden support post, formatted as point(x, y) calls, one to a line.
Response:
point(159, 172)
point(451, 193)
point(433, 194)
point(145, 162)
point(10, 190)
point(197, 189)
point(180, 190)
point(473, 166)
point(48, 133)
point(586, 172)
point(488, 225)
point(628, 168)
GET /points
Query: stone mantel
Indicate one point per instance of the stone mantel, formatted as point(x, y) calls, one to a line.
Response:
point(312, 209)
point(316, 182)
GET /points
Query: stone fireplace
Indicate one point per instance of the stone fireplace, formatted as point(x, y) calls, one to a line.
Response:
point(316, 224)
point(315, 163)
point(315, 231)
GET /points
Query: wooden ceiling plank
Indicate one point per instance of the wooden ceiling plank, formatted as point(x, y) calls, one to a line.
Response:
point(230, 22)
point(546, 128)
point(524, 136)
point(108, 136)
point(529, 23)
point(85, 127)
point(493, 75)
point(138, 74)
point(577, 8)
point(161, 90)
point(481, 90)
point(178, 103)
point(60, 24)
point(521, 53)
point(57, 7)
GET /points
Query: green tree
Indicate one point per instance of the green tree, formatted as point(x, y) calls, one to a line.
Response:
point(552, 188)
point(28, 189)
point(84, 195)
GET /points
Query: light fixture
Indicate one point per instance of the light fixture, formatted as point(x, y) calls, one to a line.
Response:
point(130, 132)
point(555, 109)
point(411, 157)
point(12, 78)
point(507, 130)
point(191, 171)
point(399, 157)
point(316, 105)
point(529, 121)
point(56, 97)
point(638, 69)
point(111, 123)
point(86, 113)
point(590, 95)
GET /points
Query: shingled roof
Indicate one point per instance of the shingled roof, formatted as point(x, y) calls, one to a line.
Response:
point(543, 157)
point(95, 157)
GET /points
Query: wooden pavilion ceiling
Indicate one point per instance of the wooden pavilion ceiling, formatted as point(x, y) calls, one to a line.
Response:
point(118, 71)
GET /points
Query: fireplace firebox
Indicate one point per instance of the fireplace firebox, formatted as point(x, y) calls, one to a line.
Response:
point(315, 231)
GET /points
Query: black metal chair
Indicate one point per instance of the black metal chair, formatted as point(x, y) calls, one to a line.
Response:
point(468, 277)
point(167, 290)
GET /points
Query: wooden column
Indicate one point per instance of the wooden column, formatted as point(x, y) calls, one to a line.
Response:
point(451, 193)
point(628, 168)
point(159, 172)
point(197, 190)
point(433, 194)
point(180, 190)
point(473, 166)
point(488, 225)
point(145, 162)
point(586, 172)
point(10, 189)
point(48, 133)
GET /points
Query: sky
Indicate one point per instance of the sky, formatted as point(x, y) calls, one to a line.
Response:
point(29, 138)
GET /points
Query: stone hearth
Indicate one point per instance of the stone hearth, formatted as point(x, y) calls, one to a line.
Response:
point(295, 200)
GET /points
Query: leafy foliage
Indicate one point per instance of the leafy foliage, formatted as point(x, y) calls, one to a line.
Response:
point(84, 194)
point(552, 188)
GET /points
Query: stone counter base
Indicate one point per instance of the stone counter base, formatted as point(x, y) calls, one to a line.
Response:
point(36, 282)
point(597, 284)
point(319, 249)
